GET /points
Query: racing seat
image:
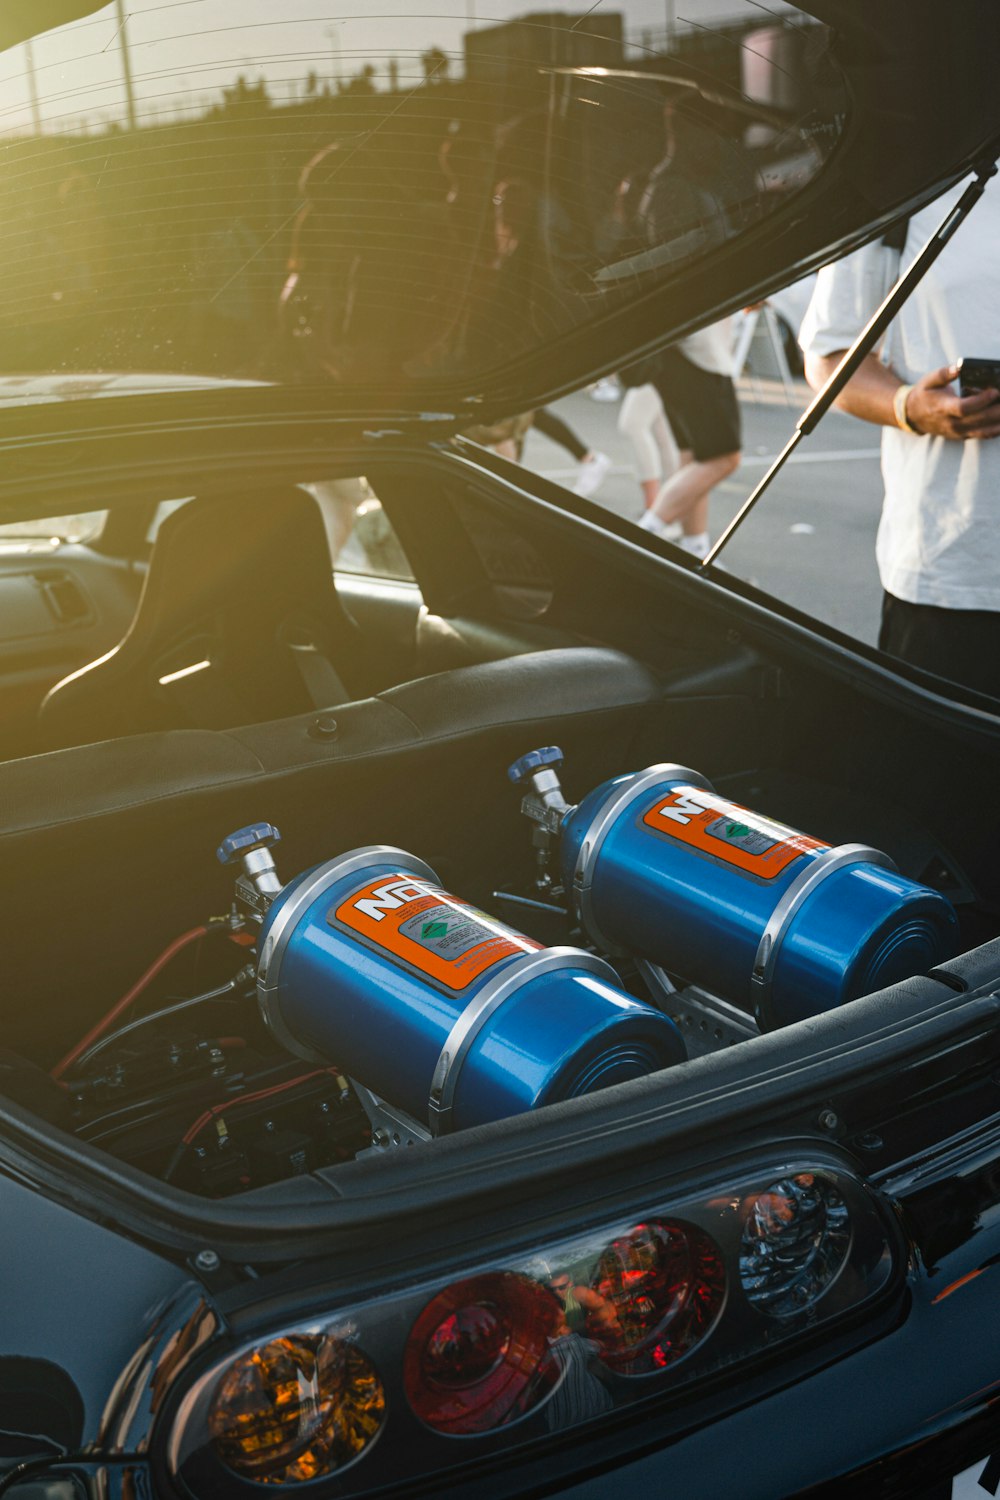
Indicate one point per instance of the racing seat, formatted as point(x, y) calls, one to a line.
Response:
point(238, 621)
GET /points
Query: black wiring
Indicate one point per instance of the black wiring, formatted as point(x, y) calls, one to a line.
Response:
point(112, 1122)
point(34, 1437)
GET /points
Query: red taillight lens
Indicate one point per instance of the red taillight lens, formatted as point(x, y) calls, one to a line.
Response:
point(654, 1296)
point(478, 1356)
point(468, 1345)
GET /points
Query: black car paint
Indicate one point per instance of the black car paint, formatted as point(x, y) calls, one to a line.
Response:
point(115, 1374)
point(917, 1399)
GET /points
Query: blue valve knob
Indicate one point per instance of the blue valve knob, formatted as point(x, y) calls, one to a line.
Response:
point(535, 760)
point(254, 836)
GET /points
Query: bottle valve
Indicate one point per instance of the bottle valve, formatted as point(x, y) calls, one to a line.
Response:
point(258, 883)
point(543, 802)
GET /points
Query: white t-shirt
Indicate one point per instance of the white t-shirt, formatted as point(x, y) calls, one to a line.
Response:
point(711, 348)
point(939, 536)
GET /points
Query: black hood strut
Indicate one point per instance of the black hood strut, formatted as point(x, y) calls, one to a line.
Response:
point(863, 344)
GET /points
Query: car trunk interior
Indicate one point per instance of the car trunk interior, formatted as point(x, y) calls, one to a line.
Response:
point(528, 629)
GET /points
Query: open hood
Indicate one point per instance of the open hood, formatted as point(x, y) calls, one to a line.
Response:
point(443, 215)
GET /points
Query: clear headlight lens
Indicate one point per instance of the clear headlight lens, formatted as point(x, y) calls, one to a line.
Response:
point(795, 1241)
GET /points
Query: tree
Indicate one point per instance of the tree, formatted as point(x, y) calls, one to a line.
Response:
point(246, 97)
point(361, 83)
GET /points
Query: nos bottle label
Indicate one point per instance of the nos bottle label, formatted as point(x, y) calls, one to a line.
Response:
point(424, 928)
point(711, 824)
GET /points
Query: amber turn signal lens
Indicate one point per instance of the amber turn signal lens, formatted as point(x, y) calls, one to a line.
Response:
point(296, 1409)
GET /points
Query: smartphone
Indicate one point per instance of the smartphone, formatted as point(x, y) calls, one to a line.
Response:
point(978, 375)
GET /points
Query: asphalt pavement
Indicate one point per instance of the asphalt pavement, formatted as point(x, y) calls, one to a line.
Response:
point(810, 540)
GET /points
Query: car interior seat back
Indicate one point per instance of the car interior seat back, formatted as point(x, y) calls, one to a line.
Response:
point(239, 620)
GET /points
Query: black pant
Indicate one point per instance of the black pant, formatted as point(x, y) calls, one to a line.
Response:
point(962, 645)
point(558, 431)
point(701, 406)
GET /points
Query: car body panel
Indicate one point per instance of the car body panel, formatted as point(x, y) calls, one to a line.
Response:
point(51, 1314)
point(563, 626)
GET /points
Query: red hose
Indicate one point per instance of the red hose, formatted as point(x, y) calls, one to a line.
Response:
point(276, 1088)
point(126, 1000)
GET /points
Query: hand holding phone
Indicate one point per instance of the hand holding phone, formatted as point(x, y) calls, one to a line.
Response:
point(934, 410)
point(978, 375)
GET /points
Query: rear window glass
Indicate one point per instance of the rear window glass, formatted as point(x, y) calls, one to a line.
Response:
point(362, 538)
point(223, 189)
point(85, 527)
point(519, 579)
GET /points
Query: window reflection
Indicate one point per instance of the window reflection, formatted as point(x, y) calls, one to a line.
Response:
point(384, 199)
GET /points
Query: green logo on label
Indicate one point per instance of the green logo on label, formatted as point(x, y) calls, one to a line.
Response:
point(736, 830)
point(434, 930)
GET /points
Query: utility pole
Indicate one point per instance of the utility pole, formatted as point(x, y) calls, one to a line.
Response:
point(671, 21)
point(333, 36)
point(36, 112)
point(126, 65)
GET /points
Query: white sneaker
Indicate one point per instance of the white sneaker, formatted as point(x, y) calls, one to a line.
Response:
point(667, 531)
point(698, 545)
point(593, 472)
point(608, 389)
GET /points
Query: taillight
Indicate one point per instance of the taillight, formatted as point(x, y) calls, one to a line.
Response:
point(547, 1339)
point(795, 1242)
point(479, 1354)
point(655, 1295)
point(296, 1408)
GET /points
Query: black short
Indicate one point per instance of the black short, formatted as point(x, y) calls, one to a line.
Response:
point(701, 407)
point(962, 645)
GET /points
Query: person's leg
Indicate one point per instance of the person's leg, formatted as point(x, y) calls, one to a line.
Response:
point(593, 465)
point(703, 411)
point(684, 497)
point(506, 437)
point(557, 431)
point(673, 458)
point(696, 521)
point(641, 420)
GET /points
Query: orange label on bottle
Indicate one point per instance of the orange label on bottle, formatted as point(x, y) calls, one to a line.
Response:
point(729, 832)
point(429, 930)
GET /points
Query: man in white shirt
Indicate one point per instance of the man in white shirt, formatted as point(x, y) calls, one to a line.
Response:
point(938, 547)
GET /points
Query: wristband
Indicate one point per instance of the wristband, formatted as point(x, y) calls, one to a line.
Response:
point(899, 409)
